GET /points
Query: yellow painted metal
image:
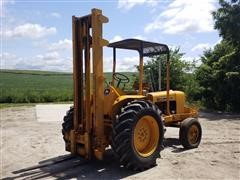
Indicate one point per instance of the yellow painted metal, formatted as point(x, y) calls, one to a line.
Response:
point(114, 65)
point(98, 154)
point(109, 100)
point(121, 101)
point(120, 91)
point(98, 79)
point(174, 118)
point(182, 112)
point(168, 119)
point(116, 90)
point(168, 86)
point(161, 96)
point(76, 72)
point(81, 151)
point(87, 106)
point(193, 134)
point(73, 141)
point(75, 123)
point(87, 81)
point(141, 76)
point(102, 19)
point(87, 145)
point(88, 98)
point(95, 111)
point(126, 97)
point(103, 42)
point(146, 136)
point(115, 99)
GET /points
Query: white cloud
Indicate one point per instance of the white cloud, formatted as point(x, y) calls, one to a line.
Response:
point(51, 61)
point(119, 38)
point(195, 60)
point(125, 64)
point(128, 64)
point(8, 60)
point(28, 30)
point(49, 56)
point(129, 4)
point(55, 14)
point(7, 56)
point(140, 37)
point(201, 46)
point(188, 59)
point(61, 45)
point(183, 16)
point(54, 61)
point(116, 38)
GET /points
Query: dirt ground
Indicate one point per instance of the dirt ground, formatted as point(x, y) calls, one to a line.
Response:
point(35, 150)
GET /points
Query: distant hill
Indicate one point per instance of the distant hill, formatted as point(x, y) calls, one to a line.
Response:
point(27, 86)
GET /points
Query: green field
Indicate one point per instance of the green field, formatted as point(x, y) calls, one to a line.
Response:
point(23, 86)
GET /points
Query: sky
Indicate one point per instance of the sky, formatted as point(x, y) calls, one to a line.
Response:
point(37, 35)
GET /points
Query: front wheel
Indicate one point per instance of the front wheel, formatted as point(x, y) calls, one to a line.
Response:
point(190, 133)
point(138, 135)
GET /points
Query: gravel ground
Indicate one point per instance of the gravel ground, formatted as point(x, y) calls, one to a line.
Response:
point(35, 150)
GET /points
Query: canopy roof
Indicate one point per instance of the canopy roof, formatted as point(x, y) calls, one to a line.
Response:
point(145, 48)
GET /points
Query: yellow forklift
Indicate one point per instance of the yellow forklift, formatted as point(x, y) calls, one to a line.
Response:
point(105, 115)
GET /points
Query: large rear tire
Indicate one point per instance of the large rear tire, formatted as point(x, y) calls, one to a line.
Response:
point(137, 136)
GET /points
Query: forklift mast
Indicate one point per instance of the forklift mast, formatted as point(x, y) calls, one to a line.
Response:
point(87, 136)
point(131, 123)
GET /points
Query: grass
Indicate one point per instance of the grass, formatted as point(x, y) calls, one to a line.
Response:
point(35, 86)
point(24, 86)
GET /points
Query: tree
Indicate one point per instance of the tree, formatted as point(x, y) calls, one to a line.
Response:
point(227, 21)
point(180, 71)
point(219, 74)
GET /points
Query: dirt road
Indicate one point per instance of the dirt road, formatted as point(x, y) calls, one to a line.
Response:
point(38, 146)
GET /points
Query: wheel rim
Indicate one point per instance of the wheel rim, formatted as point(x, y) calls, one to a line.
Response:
point(193, 134)
point(146, 136)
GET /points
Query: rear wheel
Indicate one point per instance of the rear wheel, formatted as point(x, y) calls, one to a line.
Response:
point(138, 135)
point(190, 133)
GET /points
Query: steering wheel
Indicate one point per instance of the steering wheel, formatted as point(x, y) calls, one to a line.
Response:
point(121, 78)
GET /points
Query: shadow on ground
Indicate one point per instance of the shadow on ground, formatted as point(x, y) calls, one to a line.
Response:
point(68, 166)
point(174, 144)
